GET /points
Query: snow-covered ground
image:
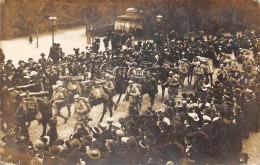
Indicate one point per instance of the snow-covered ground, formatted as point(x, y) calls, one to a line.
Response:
point(20, 49)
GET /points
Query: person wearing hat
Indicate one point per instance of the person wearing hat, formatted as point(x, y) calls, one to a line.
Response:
point(209, 72)
point(112, 157)
point(199, 73)
point(133, 95)
point(173, 84)
point(109, 89)
point(9, 68)
point(183, 69)
point(81, 112)
point(57, 103)
point(42, 60)
point(55, 156)
point(222, 74)
point(132, 155)
point(20, 69)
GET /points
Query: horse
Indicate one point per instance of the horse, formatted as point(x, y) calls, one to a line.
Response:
point(13, 112)
point(96, 96)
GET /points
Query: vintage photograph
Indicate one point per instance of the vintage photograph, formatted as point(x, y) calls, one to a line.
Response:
point(120, 82)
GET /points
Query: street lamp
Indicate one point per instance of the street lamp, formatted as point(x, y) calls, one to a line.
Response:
point(53, 24)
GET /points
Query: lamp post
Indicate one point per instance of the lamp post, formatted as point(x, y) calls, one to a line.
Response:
point(53, 24)
point(159, 27)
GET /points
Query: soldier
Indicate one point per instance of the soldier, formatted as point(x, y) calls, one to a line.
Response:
point(208, 72)
point(109, 86)
point(199, 72)
point(173, 83)
point(222, 74)
point(81, 112)
point(183, 69)
point(133, 95)
point(57, 102)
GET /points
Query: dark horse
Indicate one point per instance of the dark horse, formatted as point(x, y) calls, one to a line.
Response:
point(14, 115)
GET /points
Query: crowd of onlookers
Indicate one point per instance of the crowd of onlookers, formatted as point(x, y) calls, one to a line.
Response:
point(207, 125)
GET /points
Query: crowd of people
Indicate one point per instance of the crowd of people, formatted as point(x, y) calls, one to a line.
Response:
point(206, 125)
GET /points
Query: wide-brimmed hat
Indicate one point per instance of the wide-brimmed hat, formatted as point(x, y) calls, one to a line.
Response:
point(86, 139)
point(55, 87)
point(38, 144)
point(33, 73)
point(54, 150)
point(93, 153)
point(76, 96)
point(194, 116)
point(142, 143)
point(131, 144)
point(96, 130)
point(34, 152)
point(120, 133)
point(76, 144)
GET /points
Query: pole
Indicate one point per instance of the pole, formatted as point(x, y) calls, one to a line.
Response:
point(37, 43)
point(52, 33)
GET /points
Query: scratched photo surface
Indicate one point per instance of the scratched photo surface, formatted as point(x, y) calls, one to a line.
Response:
point(129, 82)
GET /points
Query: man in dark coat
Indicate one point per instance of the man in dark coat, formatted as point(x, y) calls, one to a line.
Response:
point(132, 154)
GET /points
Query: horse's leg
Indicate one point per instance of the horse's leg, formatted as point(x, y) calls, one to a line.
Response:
point(152, 97)
point(44, 126)
point(111, 103)
point(104, 112)
point(120, 95)
point(69, 107)
point(24, 128)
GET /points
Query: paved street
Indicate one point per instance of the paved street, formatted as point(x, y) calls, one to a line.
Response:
point(19, 49)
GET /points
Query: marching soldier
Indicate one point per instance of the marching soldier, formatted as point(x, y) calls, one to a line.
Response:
point(109, 89)
point(81, 112)
point(208, 72)
point(199, 72)
point(173, 83)
point(133, 95)
point(183, 68)
point(58, 102)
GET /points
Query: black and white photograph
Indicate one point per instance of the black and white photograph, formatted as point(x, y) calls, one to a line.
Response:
point(129, 82)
